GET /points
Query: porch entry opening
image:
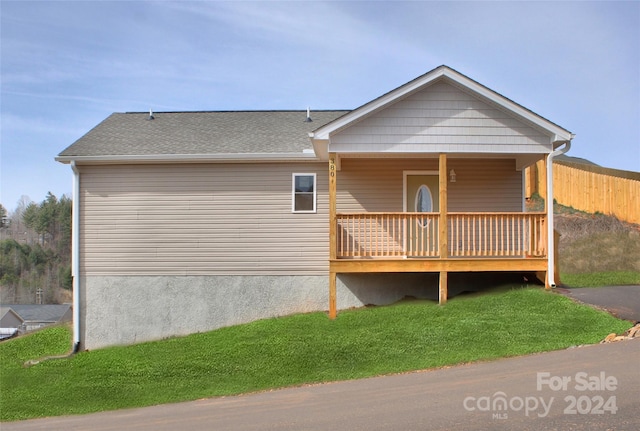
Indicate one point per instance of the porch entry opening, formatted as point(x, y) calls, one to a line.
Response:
point(421, 195)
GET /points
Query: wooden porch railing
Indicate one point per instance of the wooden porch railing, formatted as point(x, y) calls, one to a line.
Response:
point(387, 235)
point(415, 235)
point(497, 234)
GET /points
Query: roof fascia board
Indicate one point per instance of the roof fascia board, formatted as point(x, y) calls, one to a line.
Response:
point(558, 134)
point(561, 139)
point(320, 147)
point(193, 158)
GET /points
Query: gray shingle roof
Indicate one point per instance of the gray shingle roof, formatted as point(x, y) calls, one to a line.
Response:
point(189, 133)
point(40, 313)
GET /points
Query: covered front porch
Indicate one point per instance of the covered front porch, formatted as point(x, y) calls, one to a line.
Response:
point(429, 178)
point(435, 241)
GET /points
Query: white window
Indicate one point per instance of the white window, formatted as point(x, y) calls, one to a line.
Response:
point(303, 199)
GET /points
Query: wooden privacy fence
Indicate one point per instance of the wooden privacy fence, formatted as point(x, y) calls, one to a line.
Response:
point(592, 189)
point(416, 235)
point(592, 192)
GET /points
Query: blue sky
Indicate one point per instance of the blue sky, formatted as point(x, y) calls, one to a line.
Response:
point(65, 66)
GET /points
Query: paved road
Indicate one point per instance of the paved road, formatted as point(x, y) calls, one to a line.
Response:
point(458, 398)
point(621, 301)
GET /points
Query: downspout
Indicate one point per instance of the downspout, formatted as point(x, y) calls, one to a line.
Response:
point(551, 258)
point(75, 270)
point(75, 255)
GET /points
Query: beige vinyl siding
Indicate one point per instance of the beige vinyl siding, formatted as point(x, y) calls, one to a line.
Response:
point(376, 185)
point(441, 118)
point(201, 219)
point(485, 185)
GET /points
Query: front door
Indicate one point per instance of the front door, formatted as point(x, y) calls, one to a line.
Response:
point(421, 195)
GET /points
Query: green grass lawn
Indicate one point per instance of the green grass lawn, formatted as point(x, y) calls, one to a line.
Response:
point(292, 350)
point(598, 279)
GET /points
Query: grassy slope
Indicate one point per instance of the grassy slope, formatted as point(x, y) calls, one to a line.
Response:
point(595, 249)
point(291, 351)
point(599, 279)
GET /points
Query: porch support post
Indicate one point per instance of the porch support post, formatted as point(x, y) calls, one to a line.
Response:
point(443, 226)
point(332, 235)
point(333, 312)
point(443, 287)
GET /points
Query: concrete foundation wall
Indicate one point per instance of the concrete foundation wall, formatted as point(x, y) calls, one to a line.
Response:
point(132, 309)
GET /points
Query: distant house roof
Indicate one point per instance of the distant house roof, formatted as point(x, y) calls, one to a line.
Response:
point(10, 321)
point(41, 313)
point(6, 310)
point(199, 135)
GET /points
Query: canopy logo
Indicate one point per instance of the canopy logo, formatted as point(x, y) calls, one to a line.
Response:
point(500, 405)
point(589, 398)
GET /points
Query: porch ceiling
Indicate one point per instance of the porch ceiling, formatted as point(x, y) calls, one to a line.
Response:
point(521, 160)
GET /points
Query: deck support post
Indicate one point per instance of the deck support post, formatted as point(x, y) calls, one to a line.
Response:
point(333, 312)
point(443, 288)
point(333, 173)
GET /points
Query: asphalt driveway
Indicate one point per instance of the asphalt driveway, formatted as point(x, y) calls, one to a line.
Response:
point(621, 301)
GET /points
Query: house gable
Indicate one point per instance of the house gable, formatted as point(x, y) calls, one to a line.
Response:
point(441, 118)
point(441, 111)
point(9, 318)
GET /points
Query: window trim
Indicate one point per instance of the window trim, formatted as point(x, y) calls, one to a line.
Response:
point(293, 192)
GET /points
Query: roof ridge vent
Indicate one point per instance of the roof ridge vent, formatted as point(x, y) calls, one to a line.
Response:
point(308, 119)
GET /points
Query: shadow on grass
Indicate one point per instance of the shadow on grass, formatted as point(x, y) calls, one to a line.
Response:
point(470, 284)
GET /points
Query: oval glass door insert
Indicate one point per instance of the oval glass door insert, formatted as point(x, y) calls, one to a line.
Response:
point(423, 203)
